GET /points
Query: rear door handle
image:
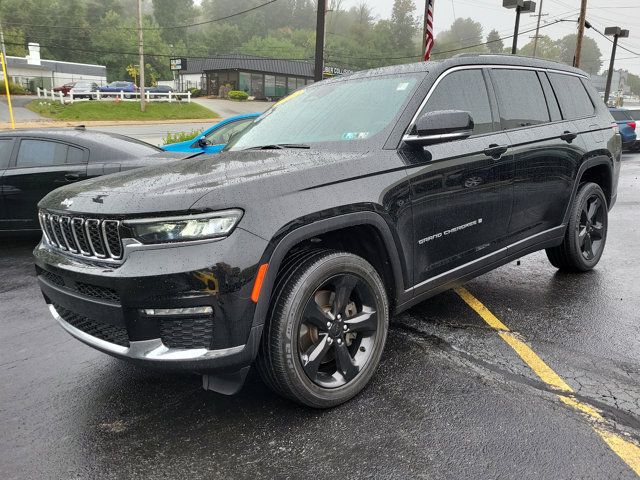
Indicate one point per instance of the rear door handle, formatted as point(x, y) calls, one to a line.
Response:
point(568, 136)
point(496, 151)
point(72, 177)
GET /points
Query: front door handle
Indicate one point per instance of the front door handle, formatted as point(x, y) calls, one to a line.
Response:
point(496, 151)
point(72, 177)
point(568, 136)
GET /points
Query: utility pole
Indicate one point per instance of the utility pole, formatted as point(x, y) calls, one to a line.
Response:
point(141, 49)
point(319, 63)
point(5, 75)
point(535, 40)
point(581, 22)
point(617, 32)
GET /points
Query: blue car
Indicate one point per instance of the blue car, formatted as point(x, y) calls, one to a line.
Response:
point(627, 126)
point(215, 138)
point(126, 87)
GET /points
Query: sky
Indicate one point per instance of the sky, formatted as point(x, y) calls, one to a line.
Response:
point(491, 14)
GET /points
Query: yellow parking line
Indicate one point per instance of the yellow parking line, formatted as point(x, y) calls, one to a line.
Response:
point(625, 449)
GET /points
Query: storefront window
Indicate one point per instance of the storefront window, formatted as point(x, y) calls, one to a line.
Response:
point(244, 83)
point(269, 86)
point(256, 85)
point(291, 84)
point(299, 83)
point(281, 86)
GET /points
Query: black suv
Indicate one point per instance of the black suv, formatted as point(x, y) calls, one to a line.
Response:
point(348, 201)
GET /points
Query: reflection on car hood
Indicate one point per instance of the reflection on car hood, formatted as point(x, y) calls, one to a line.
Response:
point(230, 179)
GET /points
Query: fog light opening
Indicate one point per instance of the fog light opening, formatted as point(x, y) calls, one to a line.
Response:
point(169, 312)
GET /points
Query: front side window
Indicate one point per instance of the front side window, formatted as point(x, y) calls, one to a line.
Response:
point(572, 96)
point(464, 90)
point(224, 133)
point(349, 110)
point(521, 101)
point(41, 153)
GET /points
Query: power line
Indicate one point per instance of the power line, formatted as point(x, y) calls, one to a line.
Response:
point(170, 27)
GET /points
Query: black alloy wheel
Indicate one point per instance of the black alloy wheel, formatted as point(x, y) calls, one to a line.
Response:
point(338, 330)
point(326, 328)
point(586, 232)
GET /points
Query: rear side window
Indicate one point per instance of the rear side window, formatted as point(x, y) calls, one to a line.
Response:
point(464, 90)
point(521, 101)
point(620, 116)
point(635, 114)
point(42, 153)
point(6, 146)
point(572, 96)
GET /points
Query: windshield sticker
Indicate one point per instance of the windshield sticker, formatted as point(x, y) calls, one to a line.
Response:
point(355, 135)
point(449, 232)
point(402, 86)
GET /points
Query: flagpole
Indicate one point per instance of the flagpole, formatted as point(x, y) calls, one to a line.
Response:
point(424, 29)
point(427, 35)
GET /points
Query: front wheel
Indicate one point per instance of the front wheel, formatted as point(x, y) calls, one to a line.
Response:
point(586, 232)
point(326, 329)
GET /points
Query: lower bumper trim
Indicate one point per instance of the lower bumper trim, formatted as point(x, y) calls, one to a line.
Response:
point(152, 350)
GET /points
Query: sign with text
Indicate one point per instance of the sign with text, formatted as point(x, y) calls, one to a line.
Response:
point(178, 63)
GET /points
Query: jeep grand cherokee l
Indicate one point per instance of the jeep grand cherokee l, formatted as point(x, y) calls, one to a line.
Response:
point(349, 201)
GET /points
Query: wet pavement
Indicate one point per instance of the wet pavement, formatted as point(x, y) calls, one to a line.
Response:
point(450, 400)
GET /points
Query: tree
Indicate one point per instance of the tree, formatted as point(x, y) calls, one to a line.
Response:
point(634, 83)
point(591, 55)
point(547, 49)
point(404, 25)
point(463, 32)
point(169, 13)
point(494, 42)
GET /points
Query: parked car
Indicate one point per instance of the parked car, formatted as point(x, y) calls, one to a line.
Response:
point(84, 89)
point(159, 89)
point(65, 88)
point(34, 162)
point(214, 139)
point(627, 126)
point(127, 87)
point(290, 250)
point(634, 113)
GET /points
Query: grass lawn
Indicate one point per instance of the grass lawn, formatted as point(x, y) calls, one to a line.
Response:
point(111, 110)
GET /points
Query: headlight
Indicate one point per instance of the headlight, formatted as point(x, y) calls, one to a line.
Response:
point(186, 228)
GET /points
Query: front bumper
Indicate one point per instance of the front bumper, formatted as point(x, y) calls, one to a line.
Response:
point(104, 306)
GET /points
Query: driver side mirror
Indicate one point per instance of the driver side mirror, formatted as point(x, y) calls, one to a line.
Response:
point(203, 142)
point(441, 126)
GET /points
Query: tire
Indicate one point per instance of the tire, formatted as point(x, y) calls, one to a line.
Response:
point(320, 349)
point(586, 233)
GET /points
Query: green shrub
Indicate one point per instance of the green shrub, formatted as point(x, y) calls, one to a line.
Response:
point(14, 89)
point(180, 136)
point(238, 95)
point(195, 92)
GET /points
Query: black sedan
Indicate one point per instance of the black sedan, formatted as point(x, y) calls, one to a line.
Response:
point(35, 162)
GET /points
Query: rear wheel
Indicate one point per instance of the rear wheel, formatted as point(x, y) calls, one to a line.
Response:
point(586, 232)
point(326, 329)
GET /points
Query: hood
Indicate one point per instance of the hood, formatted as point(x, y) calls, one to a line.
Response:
point(227, 180)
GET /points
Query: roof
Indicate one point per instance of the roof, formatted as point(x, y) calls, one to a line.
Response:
point(58, 66)
point(300, 68)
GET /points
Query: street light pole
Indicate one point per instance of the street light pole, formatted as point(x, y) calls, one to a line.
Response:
point(616, 32)
point(535, 39)
point(521, 6)
point(319, 63)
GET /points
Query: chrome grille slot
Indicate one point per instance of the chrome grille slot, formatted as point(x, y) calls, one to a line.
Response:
point(80, 235)
point(95, 238)
point(87, 237)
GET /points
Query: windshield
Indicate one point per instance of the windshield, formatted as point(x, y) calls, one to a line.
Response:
point(345, 111)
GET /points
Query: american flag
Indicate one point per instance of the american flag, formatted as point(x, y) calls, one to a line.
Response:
point(428, 30)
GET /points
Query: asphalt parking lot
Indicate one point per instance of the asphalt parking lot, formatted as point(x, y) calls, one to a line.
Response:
point(527, 373)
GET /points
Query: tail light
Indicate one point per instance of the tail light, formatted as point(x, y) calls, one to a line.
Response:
point(632, 125)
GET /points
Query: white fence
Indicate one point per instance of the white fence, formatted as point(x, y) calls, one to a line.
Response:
point(113, 96)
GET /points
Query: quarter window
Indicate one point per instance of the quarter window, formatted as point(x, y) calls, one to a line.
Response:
point(6, 146)
point(572, 96)
point(464, 90)
point(521, 101)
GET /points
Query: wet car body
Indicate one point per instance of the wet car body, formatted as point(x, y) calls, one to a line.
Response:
point(381, 197)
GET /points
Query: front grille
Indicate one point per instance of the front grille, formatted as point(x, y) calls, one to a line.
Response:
point(95, 328)
point(89, 237)
point(53, 278)
point(95, 291)
point(187, 333)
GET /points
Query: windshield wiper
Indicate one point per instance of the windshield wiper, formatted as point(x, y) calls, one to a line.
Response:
point(279, 146)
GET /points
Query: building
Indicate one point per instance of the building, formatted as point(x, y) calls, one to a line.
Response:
point(619, 82)
point(32, 72)
point(258, 76)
